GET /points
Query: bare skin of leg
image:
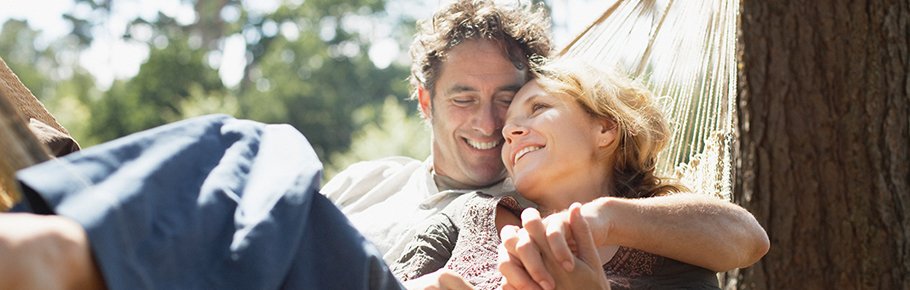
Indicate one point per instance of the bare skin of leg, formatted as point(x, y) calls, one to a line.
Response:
point(45, 252)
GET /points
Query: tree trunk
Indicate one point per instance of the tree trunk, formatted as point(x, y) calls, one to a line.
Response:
point(824, 144)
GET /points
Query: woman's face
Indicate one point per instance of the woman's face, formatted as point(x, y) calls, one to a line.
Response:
point(553, 145)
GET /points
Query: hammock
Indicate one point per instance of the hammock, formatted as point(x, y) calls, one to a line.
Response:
point(684, 51)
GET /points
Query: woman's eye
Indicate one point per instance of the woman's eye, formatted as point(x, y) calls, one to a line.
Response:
point(537, 107)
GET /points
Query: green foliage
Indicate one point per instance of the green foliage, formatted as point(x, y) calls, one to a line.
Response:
point(71, 106)
point(389, 131)
point(18, 48)
point(302, 83)
point(319, 78)
point(316, 80)
point(50, 72)
point(155, 95)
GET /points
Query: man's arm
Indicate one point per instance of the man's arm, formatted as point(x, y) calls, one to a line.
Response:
point(693, 228)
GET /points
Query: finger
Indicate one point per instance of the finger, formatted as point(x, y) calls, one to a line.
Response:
point(509, 237)
point(450, 280)
point(584, 241)
point(529, 255)
point(558, 232)
point(504, 257)
point(513, 272)
point(510, 265)
point(533, 225)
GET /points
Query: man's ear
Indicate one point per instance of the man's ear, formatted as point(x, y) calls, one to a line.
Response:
point(426, 105)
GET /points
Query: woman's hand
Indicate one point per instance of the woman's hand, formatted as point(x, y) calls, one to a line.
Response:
point(540, 256)
point(443, 279)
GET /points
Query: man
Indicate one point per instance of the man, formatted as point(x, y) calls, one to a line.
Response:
point(468, 62)
point(464, 92)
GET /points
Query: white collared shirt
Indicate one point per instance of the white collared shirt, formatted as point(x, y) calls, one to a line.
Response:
point(385, 199)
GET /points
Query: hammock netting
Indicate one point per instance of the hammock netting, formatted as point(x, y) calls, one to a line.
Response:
point(684, 51)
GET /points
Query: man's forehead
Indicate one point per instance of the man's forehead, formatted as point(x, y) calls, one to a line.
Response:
point(479, 50)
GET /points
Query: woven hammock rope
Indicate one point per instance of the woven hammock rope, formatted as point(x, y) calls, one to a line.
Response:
point(684, 51)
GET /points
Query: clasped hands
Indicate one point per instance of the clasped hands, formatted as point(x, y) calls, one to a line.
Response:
point(556, 252)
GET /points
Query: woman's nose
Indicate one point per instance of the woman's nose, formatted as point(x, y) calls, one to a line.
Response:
point(511, 130)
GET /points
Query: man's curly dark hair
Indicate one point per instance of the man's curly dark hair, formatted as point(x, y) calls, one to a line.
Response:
point(523, 30)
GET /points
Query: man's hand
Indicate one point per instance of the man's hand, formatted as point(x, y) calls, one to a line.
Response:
point(540, 256)
point(443, 279)
point(45, 252)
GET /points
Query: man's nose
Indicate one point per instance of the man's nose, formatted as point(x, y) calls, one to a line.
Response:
point(487, 120)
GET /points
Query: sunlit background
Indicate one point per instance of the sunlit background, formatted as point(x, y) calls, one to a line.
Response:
point(336, 70)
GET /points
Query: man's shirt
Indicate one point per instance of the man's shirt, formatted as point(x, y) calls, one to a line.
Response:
point(386, 199)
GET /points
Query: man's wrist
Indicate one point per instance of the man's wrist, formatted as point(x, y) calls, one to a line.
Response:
point(600, 218)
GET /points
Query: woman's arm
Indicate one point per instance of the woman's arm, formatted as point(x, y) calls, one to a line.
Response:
point(444, 279)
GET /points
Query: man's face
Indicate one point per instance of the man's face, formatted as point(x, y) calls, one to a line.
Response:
point(468, 106)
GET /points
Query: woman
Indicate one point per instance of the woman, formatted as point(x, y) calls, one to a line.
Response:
point(573, 134)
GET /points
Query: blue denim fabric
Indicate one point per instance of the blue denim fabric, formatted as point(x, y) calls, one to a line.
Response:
point(208, 203)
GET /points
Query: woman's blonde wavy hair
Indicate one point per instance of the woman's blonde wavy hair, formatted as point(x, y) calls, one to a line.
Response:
point(642, 130)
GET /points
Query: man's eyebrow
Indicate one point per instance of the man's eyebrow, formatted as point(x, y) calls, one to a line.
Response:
point(460, 89)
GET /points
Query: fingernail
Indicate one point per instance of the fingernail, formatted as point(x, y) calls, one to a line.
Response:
point(568, 266)
point(545, 285)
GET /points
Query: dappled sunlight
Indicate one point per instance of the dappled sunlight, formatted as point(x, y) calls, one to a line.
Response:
point(115, 68)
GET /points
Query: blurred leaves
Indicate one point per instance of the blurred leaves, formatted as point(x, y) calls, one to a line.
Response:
point(306, 63)
point(154, 96)
point(388, 130)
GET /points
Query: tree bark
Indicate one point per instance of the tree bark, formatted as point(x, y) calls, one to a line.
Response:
point(824, 146)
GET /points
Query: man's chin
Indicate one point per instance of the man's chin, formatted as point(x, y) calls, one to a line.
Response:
point(487, 177)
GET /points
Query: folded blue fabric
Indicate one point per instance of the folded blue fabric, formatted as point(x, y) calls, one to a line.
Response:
point(208, 203)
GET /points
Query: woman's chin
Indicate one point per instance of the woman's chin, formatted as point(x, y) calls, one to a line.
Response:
point(529, 190)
